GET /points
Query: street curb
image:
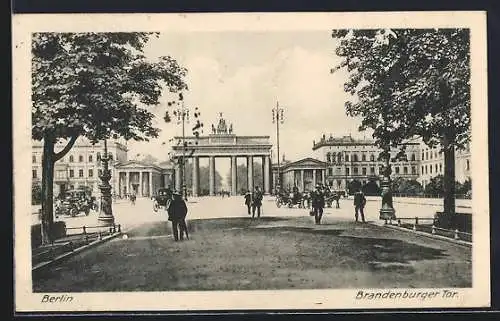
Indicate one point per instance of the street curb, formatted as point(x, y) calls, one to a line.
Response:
point(431, 236)
point(65, 256)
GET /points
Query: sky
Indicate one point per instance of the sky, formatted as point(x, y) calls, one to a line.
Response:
point(244, 74)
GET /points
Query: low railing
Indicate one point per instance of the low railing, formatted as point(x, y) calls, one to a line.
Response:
point(84, 235)
point(457, 196)
point(415, 224)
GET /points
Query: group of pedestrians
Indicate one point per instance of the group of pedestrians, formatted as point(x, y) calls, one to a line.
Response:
point(253, 201)
point(317, 199)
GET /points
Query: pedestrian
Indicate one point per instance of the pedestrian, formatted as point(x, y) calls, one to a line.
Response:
point(248, 201)
point(318, 203)
point(256, 202)
point(336, 197)
point(359, 204)
point(177, 212)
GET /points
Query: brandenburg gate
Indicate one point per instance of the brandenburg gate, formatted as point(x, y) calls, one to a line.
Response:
point(222, 142)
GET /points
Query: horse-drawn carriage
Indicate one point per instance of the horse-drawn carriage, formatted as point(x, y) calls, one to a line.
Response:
point(162, 199)
point(292, 199)
point(331, 197)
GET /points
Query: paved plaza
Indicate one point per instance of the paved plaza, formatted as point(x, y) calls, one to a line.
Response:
point(282, 250)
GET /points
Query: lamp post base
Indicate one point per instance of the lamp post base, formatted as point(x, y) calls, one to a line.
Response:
point(106, 220)
point(387, 214)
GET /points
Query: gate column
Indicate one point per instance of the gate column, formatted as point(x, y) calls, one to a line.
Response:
point(196, 178)
point(234, 174)
point(211, 175)
point(266, 175)
point(250, 172)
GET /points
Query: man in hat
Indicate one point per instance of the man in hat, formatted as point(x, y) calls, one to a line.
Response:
point(359, 204)
point(177, 212)
point(257, 202)
point(248, 201)
point(318, 203)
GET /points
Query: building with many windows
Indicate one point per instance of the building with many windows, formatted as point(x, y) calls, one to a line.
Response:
point(348, 159)
point(81, 166)
point(432, 164)
point(338, 161)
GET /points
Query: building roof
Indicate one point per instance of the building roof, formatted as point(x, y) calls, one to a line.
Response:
point(138, 164)
point(348, 140)
point(307, 162)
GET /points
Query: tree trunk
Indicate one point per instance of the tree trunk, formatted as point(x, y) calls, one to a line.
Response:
point(449, 175)
point(47, 190)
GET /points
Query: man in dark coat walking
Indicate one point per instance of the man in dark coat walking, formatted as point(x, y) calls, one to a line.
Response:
point(318, 203)
point(257, 202)
point(359, 205)
point(248, 201)
point(177, 212)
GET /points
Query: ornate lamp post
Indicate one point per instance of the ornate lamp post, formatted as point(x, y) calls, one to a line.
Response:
point(278, 118)
point(106, 210)
point(182, 114)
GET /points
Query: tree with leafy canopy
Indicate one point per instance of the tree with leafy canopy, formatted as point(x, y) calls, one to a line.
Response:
point(95, 85)
point(409, 83)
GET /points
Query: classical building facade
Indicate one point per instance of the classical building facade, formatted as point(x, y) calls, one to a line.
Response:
point(81, 166)
point(142, 179)
point(351, 159)
point(304, 173)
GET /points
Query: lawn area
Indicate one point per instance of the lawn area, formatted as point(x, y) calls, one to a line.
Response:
point(273, 253)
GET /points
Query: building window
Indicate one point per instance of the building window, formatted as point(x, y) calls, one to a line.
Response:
point(372, 170)
point(363, 158)
point(430, 169)
point(413, 170)
point(440, 168)
point(33, 159)
point(71, 173)
point(71, 159)
point(328, 157)
point(422, 155)
point(435, 168)
point(430, 156)
point(346, 158)
point(90, 159)
point(91, 172)
point(435, 154)
point(426, 155)
point(467, 165)
point(98, 156)
point(34, 173)
point(423, 170)
point(80, 173)
point(372, 158)
point(347, 172)
point(405, 170)
point(397, 169)
point(339, 157)
point(363, 170)
point(330, 171)
point(355, 169)
point(413, 157)
point(354, 158)
point(80, 158)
